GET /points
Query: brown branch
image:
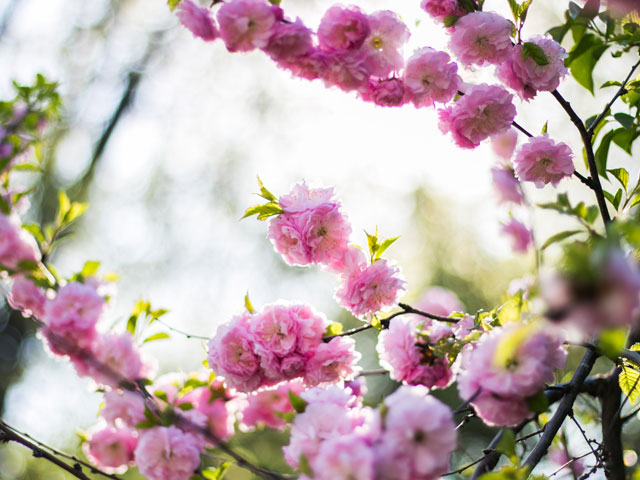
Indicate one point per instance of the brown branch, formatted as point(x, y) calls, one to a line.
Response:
point(621, 91)
point(612, 428)
point(591, 160)
point(7, 434)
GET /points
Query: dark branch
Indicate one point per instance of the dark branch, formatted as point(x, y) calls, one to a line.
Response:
point(621, 91)
point(591, 160)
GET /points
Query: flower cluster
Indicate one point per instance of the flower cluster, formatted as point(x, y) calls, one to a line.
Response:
point(267, 407)
point(280, 342)
point(506, 367)
point(337, 438)
point(311, 229)
point(406, 347)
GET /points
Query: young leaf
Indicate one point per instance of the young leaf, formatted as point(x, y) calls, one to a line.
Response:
point(625, 120)
point(384, 245)
point(216, 474)
point(507, 443)
point(266, 194)
point(602, 153)
point(535, 52)
point(90, 268)
point(156, 336)
point(545, 127)
point(247, 304)
point(621, 175)
point(629, 381)
point(173, 4)
point(298, 403)
point(611, 342)
point(611, 83)
point(64, 206)
point(558, 237)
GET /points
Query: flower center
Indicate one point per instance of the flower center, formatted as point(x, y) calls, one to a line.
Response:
point(376, 43)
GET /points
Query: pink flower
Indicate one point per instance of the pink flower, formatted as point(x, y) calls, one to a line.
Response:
point(439, 301)
point(197, 20)
point(464, 327)
point(526, 77)
point(386, 93)
point(231, 354)
point(506, 366)
point(430, 77)
point(481, 37)
point(267, 406)
point(334, 394)
point(347, 70)
point(418, 437)
point(111, 449)
point(16, 245)
point(484, 111)
point(165, 453)
point(311, 66)
point(543, 161)
point(215, 403)
point(441, 9)
point(289, 41)
point(348, 456)
point(276, 328)
point(383, 45)
point(504, 144)
point(507, 186)
point(407, 356)
point(118, 354)
point(318, 423)
point(26, 297)
point(521, 236)
point(71, 318)
point(312, 229)
point(371, 288)
point(343, 28)
point(246, 24)
point(333, 361)
point(122, 408)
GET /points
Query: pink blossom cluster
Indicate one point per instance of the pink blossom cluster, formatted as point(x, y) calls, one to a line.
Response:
point(527, 77)
point(405, 348)
point(483, 111)
point(507, 366)
point(280, 342)
point(312, 229)
point(543, 161)
point(267, 407)
point(605, 295)
point(441, 9)
point(367, 288)
point(16, 245)
point(519, 234)
point(337, 438)
point(161, 452)
point(480, 38)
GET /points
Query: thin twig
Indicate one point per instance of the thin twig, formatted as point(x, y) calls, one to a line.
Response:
point(522, 129)
point(621, 91)
point(181, 332)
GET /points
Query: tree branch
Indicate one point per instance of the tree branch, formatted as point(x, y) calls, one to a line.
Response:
point(564, 408)
point(621, 91)
point(8, 434)
point(591, 160)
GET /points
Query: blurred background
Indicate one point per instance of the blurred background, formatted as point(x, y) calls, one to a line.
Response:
point(164, 135)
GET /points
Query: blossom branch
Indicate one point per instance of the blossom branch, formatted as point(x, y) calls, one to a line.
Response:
point(621, 91)
point(591, 159)
point(8, 434)
point(564, 409)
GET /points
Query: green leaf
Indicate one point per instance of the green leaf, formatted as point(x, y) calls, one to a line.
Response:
point(583, 58)
point(574, 10)
point(34, 230)
point(629, 380)
point(75, 211)
point(524, 9)
point(64, 206)
point(450, 21)
point(173, 4)
point(372, 243)
point(90, 268)
point(617, 199)
point(156, 336)
point(625, 120)
point(384, 245)
point(611, 83)
point(558, 237)
point(185, 407)
point(263, 211)
point(545, 127)
point(26, 167)
point(334, 328)
point(216, 474)
point(621, 175)
point(507, 443)
point(602, 153)
point(247, 304)
point(515, 9)
point(266, 194)
point(624, 138)
point(538, 403)
point(611, 342)
point(535, 52)
point(298, 403)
